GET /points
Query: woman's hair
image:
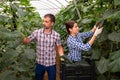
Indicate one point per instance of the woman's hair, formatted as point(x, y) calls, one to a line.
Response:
point(69, 24)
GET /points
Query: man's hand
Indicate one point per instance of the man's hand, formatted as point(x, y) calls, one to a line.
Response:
point(26, 40)
point(65, 58)
point(98, 31)
point(61, 57)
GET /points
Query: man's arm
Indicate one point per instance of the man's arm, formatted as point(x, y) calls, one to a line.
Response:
point(30, 38)
point(60, 50)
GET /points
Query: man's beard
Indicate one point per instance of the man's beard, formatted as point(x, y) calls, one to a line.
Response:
point(46, 27)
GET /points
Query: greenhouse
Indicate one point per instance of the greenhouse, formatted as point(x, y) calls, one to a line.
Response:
point(75, 39)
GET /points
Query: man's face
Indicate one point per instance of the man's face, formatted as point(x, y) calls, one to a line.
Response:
point(47, 23)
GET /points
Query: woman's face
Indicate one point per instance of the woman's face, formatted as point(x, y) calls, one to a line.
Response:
point(75, 29)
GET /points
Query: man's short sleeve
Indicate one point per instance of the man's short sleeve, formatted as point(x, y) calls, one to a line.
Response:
point(33, 36)
point(58, 40)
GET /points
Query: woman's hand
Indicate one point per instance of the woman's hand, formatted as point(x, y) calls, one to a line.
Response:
point(98, 31)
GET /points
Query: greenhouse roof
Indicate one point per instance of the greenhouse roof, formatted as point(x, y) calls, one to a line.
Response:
point(49, 6)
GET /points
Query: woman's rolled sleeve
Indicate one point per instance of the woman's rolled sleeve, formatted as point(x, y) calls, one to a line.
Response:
point(79, 45)
point(85, 35)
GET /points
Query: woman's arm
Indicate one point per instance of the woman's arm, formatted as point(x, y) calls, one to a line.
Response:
point(85, 35)
point(92, 40)
point(90, 33)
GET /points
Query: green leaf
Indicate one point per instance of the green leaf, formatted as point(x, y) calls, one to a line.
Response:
point(25, 78)
point(14, 44)
point(84, 21)
point(69, 7)
point(116, 2)
point(103, 36)
point(114, 66)
point(102, 65)
point(108, 13)
point(115, 78)
point(6, 34)
point(114, 55)
point(114, 36)
point(20, 11)
point(86, 9)
point(111, 14)
point(21, 68)
point(30, 53)
point(3, 19)
point(8, 75)
point(95, 54)
point(25, 2)
point(101, 77)
point(10, 54)
point(114, 61)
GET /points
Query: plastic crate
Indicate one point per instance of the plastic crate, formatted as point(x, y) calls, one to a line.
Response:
point(83, 70)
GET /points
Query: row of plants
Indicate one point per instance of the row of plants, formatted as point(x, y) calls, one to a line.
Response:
point(17, 20)
point(106, 49)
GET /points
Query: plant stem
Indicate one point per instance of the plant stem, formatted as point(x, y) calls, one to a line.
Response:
point(78, 12)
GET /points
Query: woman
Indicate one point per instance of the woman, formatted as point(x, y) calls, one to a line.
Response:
point(75, 40)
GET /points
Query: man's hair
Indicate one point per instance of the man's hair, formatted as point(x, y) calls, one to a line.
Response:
point(51, 16)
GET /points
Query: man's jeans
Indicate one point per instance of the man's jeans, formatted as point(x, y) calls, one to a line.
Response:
point(40, 71)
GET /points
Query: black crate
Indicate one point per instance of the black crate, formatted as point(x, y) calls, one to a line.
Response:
point(77, 78)
point(83, 70)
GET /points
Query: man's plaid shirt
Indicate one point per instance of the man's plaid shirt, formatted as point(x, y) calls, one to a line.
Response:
point(46, 46)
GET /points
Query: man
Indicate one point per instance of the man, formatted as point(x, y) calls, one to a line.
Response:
point(47, 41)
